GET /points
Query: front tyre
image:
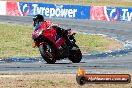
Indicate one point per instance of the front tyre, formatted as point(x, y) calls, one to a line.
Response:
point(47, 51)
point(75, 56)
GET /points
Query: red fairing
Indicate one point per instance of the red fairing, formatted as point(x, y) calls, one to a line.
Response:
point(59, 42)
point(48, 33)
point(44, 26)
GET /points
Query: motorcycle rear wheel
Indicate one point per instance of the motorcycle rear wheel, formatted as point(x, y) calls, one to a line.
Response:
point(48, 53)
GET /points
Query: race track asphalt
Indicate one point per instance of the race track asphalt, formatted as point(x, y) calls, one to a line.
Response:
point(114, 61)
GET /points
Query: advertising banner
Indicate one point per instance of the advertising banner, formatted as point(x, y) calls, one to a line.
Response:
point(12, 8)
point(54, 10)
point(110, 14)
point(98, 13)
point(66, 11)
point(119, 14)
point(2, 7)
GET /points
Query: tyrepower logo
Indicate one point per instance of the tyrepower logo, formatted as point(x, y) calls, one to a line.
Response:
point(51, 12)
point(123, 14)
point(48, 10)
point(83, 78)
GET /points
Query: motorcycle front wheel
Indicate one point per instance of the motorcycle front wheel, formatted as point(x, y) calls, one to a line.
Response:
point(47, 51)
point(75, 55)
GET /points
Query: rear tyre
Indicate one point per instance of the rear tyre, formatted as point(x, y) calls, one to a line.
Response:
point(48, 53)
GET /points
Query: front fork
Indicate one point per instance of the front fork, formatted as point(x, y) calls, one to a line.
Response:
point(36, 44)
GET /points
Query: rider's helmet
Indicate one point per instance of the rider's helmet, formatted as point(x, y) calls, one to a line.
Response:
point(37, 18)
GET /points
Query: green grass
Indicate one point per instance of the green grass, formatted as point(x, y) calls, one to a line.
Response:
point(16, 41)
point(126, 3)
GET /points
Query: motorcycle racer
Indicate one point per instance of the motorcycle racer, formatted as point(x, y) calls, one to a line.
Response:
point(54, 43)
point(40, 23)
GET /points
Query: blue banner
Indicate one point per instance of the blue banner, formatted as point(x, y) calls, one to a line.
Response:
point(55, 10)
point(119, 13)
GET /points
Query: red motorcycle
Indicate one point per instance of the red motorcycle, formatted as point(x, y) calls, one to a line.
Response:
point(54, 48)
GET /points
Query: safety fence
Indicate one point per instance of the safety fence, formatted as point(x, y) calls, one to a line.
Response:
point(66, 11)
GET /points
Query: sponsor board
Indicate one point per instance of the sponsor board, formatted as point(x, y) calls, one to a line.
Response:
point(119, 14)
point(54, 10)
point(66, 11)
point(12, 9)
point(2, 7)
point(98, 13)
point(110, 14)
